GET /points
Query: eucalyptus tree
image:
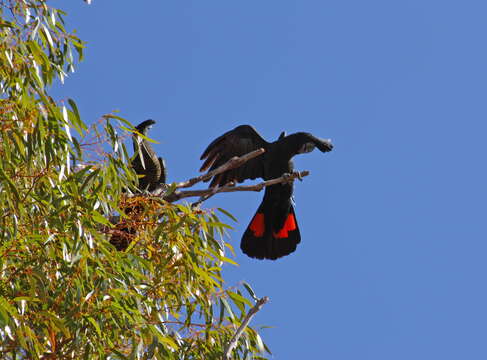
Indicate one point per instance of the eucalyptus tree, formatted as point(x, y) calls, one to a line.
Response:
point(65, 291)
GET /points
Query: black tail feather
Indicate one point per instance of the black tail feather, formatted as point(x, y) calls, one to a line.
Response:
point(260, 241)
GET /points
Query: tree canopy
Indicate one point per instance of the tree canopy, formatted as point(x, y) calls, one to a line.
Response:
point(65, 290)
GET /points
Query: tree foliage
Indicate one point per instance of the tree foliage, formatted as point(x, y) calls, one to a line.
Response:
point(65, 291)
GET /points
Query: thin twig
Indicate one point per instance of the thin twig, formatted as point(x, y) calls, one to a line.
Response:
point(207, 196)
point(231, 345)
point(207, 193)
point(230, 164)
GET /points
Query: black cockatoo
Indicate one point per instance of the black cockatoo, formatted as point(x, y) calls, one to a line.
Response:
point(273, 232)
point(153, 174)
point(149, 165)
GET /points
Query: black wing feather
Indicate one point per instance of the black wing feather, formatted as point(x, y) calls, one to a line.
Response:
point(163, 177)
point(237, 142)
point(145, 162)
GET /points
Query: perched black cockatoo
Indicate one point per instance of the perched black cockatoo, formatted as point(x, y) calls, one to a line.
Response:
point(149, 165)
point(273, 231)
point(153, 174)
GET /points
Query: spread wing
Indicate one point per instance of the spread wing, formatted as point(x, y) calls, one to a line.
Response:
point(237, 142)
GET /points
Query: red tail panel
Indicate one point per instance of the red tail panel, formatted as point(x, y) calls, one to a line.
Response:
point(289, 225)
point(258, 225)
point(264, 239)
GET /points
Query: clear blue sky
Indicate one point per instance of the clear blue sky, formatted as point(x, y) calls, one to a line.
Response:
point(392, 263)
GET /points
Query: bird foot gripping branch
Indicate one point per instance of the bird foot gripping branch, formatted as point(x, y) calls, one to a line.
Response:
point(289, 177)
point(298, 175)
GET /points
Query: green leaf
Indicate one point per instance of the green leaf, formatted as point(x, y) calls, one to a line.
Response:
point(228, 308)
point(260, 343)
point(238, 299)
point(26, 298)
point(164, 339)
point(111, 116)
point(47, 34)
point(227, 214)
point(12, 187)
point(100, 218)
point(89, 180)
point(95, 325)
point(77, 119)
point(250, 290)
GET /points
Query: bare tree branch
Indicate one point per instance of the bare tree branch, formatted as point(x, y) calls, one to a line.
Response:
point(207, 193)
point(230, 164)
point(231, 345)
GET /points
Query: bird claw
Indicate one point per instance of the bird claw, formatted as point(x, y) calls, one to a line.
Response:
point(288, 178)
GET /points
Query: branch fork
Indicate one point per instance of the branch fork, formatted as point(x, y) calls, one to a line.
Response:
point(233, 342)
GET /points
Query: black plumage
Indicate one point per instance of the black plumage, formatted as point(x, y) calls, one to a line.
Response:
point(150, 168)
point(152, 174)
point(273, 231)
